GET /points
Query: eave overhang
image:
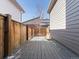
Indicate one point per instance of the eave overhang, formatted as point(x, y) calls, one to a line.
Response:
point(17, 5)
point(51, 5)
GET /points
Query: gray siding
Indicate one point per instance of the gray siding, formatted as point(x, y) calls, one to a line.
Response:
point(70, 36)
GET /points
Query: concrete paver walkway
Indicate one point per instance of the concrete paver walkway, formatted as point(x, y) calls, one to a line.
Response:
point(40, 48)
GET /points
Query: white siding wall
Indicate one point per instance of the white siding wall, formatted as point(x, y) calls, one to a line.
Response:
point(6, 7)
point(69, 36)
point(57, 16)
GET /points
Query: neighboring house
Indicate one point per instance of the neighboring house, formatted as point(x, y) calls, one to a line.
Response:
point(40, 26)
point(11, 7)
point(64, 22)
point(35, 21)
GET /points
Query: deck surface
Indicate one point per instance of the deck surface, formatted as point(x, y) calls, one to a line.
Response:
point(40, 48)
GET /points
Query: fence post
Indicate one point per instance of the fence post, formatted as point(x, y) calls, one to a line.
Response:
point(26, 32)
point(1, 36)
point(7, 35)
point(9, 24)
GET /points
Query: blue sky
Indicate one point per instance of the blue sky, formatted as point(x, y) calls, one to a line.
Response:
point(31, 9)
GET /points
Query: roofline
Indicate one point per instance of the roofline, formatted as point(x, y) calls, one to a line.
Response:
point(31, 19)
point(17, 5)
point(51, 5)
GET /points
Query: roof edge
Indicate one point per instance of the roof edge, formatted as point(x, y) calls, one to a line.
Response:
point(31, 19)
point(17, 5)
point(51, 5)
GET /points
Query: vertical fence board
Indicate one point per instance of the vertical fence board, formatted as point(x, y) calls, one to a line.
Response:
point(26, 32)
point(23, 33)
point(29, 33)
point(9, 35)
point(17, 34)
point(12, 37)
point(1, 37)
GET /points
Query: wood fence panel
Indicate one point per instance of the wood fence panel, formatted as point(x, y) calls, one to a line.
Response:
point(32, 32)
point(29, 33)
point(23, 33)
point(1, 37)
point(17, 34)
point(12, 38)
point(43, 31)
point(36, 31)
point(12, 33)
point(40, 31)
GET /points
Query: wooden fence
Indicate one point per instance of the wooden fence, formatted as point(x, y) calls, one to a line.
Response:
point(40, 31)
point(30, 29)
point(12, 35)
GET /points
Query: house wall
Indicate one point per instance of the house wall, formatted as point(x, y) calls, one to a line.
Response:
point(58, 15)
point(68, 36)
point(6, 7)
